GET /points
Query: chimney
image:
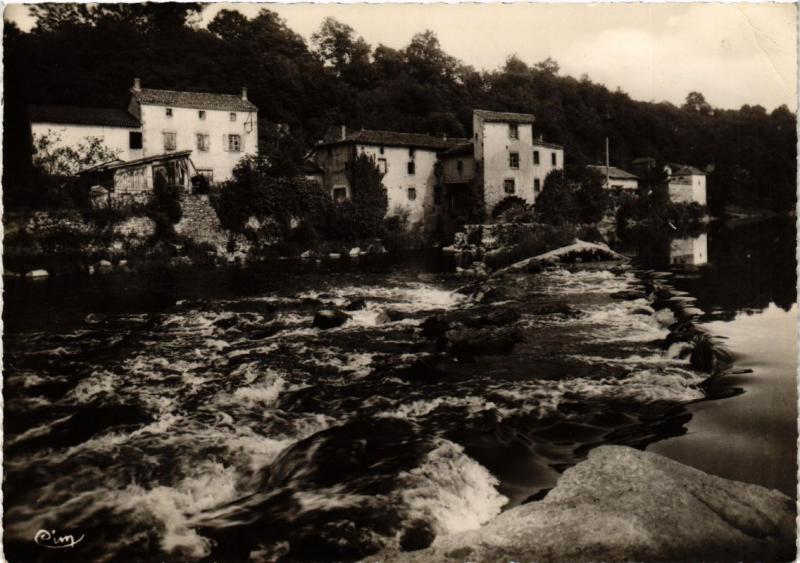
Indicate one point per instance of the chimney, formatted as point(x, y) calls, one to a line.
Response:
point(344, 133)
point(244, 93)
point(137, 85)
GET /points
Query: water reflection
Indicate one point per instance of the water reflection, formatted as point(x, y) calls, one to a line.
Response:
point(690, 251)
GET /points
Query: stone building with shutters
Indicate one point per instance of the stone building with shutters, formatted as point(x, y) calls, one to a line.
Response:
point(218, 129)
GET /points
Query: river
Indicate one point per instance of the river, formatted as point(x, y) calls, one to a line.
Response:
point(192, 414)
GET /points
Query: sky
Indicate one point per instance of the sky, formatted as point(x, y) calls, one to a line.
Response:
point(734, 54)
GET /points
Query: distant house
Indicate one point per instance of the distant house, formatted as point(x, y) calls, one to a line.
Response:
point(408, 161)
point(687, 184)
point(219, 129)
point(617, 177)
point(508, 159)
point(132, 181)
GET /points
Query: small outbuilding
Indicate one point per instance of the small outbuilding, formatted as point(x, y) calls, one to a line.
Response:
point(616, 177)
point(123, 182)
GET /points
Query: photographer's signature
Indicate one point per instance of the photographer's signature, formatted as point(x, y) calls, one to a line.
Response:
point(51, 540)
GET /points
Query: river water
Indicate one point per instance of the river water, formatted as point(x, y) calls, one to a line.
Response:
point(197, 414)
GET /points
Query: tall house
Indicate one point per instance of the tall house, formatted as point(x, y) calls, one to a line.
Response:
point(409, 162)
point(219, 129)
point(687, 184)
point(513, 162)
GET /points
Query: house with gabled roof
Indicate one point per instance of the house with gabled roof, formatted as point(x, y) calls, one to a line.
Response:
point(218, 129)
point(614, 177)
point(687, 184)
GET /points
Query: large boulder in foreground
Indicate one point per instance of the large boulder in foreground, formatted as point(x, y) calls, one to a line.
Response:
point(622, 504)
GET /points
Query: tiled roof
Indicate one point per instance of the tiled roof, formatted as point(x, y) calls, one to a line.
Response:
point(685, 170)
point(614, 172)
point(197, 100)
point(75, 115)
point(395, 139)
point(117, 164)
point(540, 143)
point(464, 149)
point(504, 116)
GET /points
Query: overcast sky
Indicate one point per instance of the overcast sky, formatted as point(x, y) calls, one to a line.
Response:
point(733, 53)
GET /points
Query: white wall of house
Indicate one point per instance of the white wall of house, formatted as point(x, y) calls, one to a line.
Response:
point(498, 146)
point(688, 189)
point(450, 169)
point(622, 183)
point(69, 135)
point(550, 158)
point(219, 159)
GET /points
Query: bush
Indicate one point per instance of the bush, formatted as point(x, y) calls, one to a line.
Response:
point(513, 209)
point(200, 185)
point(165, 207)
point(591, 234)
point(361, 216)
point(557, 204)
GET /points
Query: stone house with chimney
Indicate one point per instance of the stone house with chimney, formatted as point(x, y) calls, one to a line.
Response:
point(218, 129)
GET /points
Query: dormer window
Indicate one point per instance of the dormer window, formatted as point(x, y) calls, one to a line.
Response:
point(169, 112)
point(513, 131)
point(201, 114)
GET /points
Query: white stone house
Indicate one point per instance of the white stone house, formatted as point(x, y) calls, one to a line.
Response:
point(508, 159)
point(617, 178)
point(409, 162)
point(219, 129)
point(687, 184)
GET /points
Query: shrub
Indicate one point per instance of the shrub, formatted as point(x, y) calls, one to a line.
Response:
point(513, 209)
point(165, 207)
point(557, 204)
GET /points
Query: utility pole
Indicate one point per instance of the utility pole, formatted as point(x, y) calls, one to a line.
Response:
point(608, 182)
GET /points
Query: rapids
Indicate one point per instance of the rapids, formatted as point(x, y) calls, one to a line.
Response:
point(202, 416)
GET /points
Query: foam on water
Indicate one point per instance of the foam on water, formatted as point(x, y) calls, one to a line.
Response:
point(454, 490)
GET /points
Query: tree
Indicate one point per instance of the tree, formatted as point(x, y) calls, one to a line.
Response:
point(362, 215)
point(557, 204)
point(592, 198)
point(696, 102)
point(337, 44)
point(57, 159)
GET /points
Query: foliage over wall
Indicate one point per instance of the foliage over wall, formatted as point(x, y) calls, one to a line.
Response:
point(89, 54)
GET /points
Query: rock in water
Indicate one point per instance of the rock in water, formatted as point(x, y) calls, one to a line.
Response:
point(467, 343)
point(622, 504)
point(356, 305)
point(37, 274)
point(330, 318)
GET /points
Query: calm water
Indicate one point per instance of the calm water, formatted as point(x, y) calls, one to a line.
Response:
point(198, 414)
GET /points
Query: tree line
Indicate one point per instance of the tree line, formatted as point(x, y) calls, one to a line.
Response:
point(87, 55)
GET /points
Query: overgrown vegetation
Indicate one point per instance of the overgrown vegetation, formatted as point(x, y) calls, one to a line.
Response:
point(88, 55)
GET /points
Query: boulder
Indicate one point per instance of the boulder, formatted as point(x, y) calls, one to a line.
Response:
point(466, 343)
point(478, 317)
point(628, 294)
point(554, 308)
point(354, 252)
point(643, 310)
point(356, 305)
point(104, 265)
point(330, 318)
point(622, 504)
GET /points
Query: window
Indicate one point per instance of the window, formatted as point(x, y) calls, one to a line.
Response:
point(203, 142)
point(169, 112)
point(537, 186)
point(437, 195)
point(536, 157)
point(382, 165)
point(513, 131)
point(233, 116)
point(339, 195)
point(460, 167)
point(381, 149)
point(201, 114)
point(554, 159)
point(412, 194)
point(207, 173)
point(135, 140)
point(170, 141)
point(412, 168)
point(513, 160)
point(508, 186)
point(234, 143)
